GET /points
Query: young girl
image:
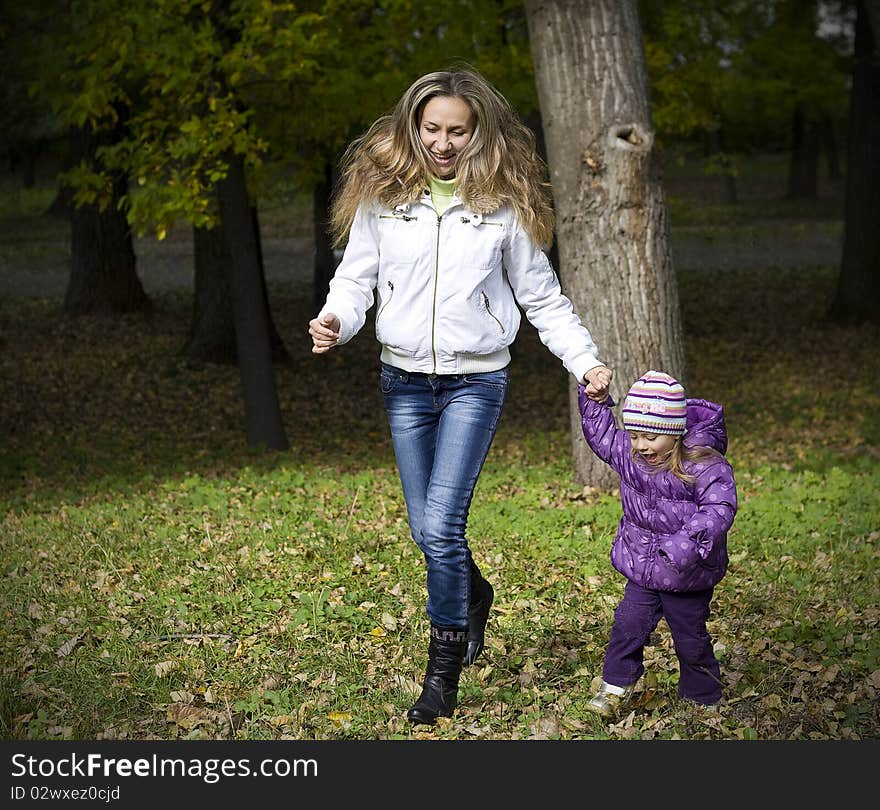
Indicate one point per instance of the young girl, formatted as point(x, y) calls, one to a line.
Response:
point(445, 207)
point(679, 500)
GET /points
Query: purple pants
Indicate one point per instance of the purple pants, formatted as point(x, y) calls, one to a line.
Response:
point(638, 614)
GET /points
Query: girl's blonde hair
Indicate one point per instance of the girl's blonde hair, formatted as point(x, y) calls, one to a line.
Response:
point(500, 165)
point(677, 456)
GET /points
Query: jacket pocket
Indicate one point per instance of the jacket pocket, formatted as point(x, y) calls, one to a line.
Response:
point(487, 304)
point(386, 294)
point(399, 238)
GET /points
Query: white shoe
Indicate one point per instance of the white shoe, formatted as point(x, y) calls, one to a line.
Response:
point(610, 699)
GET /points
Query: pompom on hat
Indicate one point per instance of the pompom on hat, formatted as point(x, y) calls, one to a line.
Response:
point(656, 404)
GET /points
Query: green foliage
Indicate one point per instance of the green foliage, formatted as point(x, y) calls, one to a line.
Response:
point(267, 79)
point(729, 75)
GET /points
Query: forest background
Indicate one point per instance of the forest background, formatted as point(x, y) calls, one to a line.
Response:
point(165, 576)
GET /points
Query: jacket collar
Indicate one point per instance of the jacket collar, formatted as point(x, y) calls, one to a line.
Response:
point(425, 199)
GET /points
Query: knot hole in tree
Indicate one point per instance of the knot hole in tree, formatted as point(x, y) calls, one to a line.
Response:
point(631, 137)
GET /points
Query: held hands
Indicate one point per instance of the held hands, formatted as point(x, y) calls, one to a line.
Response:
point(324, 332)
point(597, 381)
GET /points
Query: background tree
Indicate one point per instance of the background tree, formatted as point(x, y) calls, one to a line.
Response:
point(693, 85)
point(612, 224)
point(62, 51)
point(27, 126)
point(857, 298)
point(103, 266)
point(796, 70)
point(748, 76)
point(174, 70)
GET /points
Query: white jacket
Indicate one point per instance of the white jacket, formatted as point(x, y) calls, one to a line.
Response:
point(447, 289)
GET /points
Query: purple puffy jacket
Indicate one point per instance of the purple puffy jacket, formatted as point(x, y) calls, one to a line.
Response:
point(673, 535)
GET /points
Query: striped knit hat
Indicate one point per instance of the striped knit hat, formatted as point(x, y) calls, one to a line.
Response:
point(656, 404)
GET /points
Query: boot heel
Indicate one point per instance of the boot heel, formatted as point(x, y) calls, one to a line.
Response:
point(478, 616)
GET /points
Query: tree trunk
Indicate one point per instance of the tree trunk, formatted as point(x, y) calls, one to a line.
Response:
point(857, 298)
point(829, 146)
point(264, 426)
point(803, 169)
point(279, 350)
point(103, 276)
point(325, 260)
point(212, 332)
point(612, 227)
point(720, 162)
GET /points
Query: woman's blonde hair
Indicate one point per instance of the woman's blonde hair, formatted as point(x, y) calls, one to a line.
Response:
point(677, 456)
point(500, 165)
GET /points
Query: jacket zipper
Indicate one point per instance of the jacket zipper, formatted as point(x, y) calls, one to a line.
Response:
point(466, 220)
point(652, 551)
point(404, 217)
point(388, 300)
point(491, 314)
point(434, 302)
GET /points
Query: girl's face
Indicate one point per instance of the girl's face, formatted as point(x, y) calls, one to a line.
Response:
point(445, 128)
point(654, 448)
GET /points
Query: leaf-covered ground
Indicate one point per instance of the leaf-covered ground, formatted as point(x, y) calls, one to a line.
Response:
point(160, 580)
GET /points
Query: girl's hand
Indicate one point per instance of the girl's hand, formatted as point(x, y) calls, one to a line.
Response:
point(324, 332)
point(598, 381)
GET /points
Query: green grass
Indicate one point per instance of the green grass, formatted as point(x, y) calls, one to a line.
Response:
point(161, 580)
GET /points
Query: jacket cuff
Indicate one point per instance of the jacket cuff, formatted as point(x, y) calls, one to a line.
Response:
point(581, 364)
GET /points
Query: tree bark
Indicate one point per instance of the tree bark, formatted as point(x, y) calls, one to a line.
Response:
point(612, 228)
point(720, 160)
point(279, 350)
point(857, 298)
point(103, 276)
point(212, 331)
point(803, 168)
point(829, 147)
point(264, 426)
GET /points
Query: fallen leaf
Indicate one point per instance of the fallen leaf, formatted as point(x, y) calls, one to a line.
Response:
point(66, 648)
point(163, 668)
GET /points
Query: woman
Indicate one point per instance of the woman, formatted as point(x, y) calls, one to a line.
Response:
point(445, 208)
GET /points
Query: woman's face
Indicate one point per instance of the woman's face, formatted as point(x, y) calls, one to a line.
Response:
point(445, 128)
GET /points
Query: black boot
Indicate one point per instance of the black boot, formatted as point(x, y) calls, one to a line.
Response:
point(440, 689)
point(482, 596)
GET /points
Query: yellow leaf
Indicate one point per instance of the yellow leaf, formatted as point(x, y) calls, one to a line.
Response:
point(378, 632)
point(340, 718)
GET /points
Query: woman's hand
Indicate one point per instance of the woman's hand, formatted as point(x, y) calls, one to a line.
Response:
point(597, 381)
point(324, 332)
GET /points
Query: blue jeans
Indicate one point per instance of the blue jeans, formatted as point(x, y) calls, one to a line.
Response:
point(442, 427)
